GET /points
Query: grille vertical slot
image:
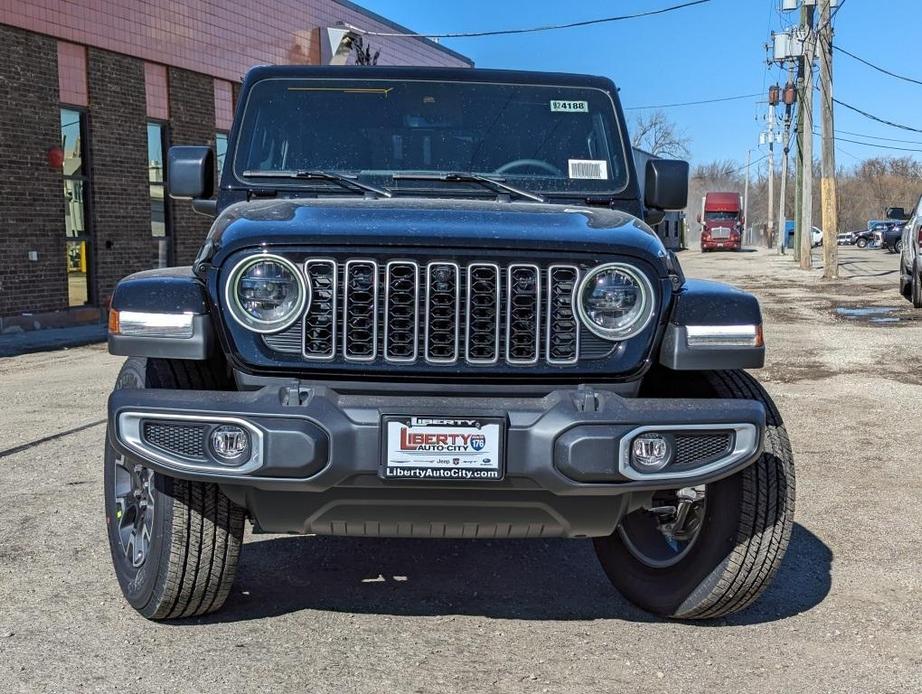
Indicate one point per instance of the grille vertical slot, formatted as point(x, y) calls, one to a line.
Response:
point(401, 311)
point(443, 312)
point(481, 326)
point(320, 319)
point(562, 329)
point(360, 310)
point(523, 314)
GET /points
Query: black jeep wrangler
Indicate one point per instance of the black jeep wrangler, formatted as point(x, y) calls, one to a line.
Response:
point(430, 306)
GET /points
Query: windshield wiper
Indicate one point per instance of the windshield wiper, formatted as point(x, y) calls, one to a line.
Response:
point(343, 180)
point(496, 184)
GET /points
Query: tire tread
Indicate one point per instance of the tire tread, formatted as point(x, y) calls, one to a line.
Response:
point(767, 513)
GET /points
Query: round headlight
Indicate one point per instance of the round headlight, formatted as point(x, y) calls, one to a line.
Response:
point(615, 301)
point(266, 293)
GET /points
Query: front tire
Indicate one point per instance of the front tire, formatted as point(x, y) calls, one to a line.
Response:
point(915, 292)
point(174, 543)
point(861, 243)
point(743, 529)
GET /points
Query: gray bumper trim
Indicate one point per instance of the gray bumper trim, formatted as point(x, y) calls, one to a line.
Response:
point(352, 425)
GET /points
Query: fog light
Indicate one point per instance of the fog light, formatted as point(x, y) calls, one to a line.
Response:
point(230, 443)
point(650, 452)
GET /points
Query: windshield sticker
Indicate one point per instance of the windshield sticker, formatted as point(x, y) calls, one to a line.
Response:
point(595, 169)
point(570, 106)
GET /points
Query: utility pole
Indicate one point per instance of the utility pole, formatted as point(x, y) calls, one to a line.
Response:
point(828, 186)
point(746, 195)
point(772, 100)
point(789, 97)
point(806, 132)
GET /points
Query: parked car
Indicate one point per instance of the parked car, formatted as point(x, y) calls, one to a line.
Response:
point(817, 239)
point(846, 238)
point(864, 238)
point(911, 258)
point(407, 320)
point(893, 237)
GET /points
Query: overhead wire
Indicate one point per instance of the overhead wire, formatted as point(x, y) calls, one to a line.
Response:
point(529, 30)
point(693, 103)
point(877, 67)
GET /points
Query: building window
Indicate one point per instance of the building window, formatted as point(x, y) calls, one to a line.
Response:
point(76, 183)
point(156, 173)
point(220, 148)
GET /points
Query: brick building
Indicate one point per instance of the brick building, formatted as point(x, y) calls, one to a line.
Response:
point(93, 92)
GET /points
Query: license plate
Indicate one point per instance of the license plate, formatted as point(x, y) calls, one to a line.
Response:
point(466, 449)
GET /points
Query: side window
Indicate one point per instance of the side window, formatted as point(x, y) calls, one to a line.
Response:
point(76, 183)
point(156, 174)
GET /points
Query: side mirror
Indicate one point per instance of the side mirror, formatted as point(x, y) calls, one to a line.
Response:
point(666, 184)
point(190, 173)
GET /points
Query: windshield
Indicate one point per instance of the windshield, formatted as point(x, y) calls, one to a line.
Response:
point(720, 216)
point(543, 138)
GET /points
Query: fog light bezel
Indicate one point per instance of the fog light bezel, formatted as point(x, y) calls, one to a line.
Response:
point(129, 431)
point(747, 442)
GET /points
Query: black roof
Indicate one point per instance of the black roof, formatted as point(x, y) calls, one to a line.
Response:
point(447, 74)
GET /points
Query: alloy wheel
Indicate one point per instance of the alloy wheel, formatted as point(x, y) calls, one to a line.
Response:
point(134, 510)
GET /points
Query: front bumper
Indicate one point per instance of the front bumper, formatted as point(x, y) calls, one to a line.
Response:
point(318, 455)
point(722, 244)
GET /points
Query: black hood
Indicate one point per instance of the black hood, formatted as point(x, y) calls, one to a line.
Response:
point(433, 222)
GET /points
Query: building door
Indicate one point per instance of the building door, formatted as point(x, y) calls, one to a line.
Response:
point(78, 237)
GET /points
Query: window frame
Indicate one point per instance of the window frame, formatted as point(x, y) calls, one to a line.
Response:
point(165, 138)
point(88, 235)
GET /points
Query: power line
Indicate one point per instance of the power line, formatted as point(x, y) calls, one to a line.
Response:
point(877, 137)
point(874, 144)
point(694, 103)
point(876, 118)
point(546, 27)
point(877, 67)
point(743, 168)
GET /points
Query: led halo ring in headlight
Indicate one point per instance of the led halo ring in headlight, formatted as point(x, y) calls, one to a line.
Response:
point(630, 299)
point(290, 307)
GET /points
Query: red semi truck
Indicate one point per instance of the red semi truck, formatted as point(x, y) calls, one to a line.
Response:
point(721, 221)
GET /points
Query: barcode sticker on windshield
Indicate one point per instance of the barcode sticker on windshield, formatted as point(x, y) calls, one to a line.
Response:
point(596, 169)
point(570, 106)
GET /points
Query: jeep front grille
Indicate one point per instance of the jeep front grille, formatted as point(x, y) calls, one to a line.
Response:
point(440, 312)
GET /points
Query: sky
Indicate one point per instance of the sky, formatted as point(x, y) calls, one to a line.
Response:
point(709, 51)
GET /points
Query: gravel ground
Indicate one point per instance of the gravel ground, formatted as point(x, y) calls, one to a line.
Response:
point(344, 615)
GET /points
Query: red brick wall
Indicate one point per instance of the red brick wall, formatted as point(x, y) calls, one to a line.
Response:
point(222, 38)
point(31, 192)
point(118, 162)
point(191, 123)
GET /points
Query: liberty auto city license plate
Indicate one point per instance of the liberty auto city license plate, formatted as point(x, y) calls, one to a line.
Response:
point(464, 449)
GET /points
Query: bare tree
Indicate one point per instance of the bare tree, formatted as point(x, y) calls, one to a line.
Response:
point(658, 135)
point(363, 54)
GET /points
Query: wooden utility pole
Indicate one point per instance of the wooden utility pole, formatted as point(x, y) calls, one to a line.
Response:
point(746, 198)
point(828, 186)
point(789, 92)
point(771, 168)
point(806, 128)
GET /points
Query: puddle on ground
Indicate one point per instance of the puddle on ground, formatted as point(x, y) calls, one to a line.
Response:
point(875, 315)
